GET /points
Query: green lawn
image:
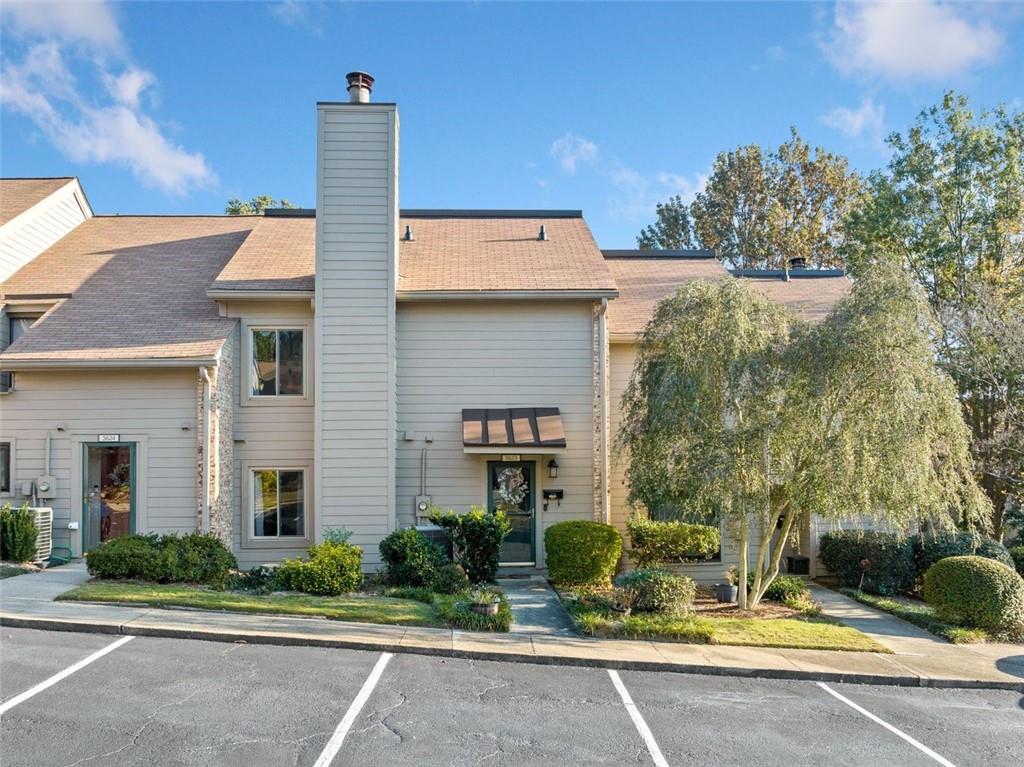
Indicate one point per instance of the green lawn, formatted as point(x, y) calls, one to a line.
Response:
point(921, 615)
point(804, 634)
point(361, 608)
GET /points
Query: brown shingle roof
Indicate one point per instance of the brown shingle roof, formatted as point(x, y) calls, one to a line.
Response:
point(447, 254)
point(19, 194)
point(645, 281)
point(137, 286)
point(279, 255)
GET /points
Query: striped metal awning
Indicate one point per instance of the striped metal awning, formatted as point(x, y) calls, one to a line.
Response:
point(520, 427)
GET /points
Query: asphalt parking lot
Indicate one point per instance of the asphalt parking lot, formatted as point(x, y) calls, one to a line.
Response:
point(148, 701)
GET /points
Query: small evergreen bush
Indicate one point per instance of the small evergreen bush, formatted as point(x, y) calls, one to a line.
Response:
point(191, 558)
point(1017, 554)
point(410, 559)
point(476, 540)
point(130, 556)
point(655, 543)
point(332, 569)
point(17, 534)
point(975, 591)
point(877, 562)
point(581, 552)
point(450, 579)
point(784, 588)
point(657, 591)
point(930, 548)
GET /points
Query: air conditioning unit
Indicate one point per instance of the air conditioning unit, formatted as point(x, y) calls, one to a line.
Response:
point(44, 537)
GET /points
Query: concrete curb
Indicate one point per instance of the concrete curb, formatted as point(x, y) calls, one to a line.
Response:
point(295, 640)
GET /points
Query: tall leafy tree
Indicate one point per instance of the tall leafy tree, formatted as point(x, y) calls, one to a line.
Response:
point(254, 206)
point(759, 209)
point(736, 408)
point(950, 208)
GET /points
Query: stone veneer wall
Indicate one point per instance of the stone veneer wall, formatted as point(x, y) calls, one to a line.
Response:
point(221, 440)
point(600, 410)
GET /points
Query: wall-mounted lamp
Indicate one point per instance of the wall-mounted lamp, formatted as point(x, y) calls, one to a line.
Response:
point(553, 469)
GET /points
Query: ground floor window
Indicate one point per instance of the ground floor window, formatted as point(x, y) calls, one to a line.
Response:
point(279, 503)
point(5, 467)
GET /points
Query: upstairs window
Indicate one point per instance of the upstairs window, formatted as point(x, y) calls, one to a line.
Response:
point(277, 369)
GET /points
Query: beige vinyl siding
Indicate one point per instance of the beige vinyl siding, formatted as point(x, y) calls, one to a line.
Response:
point(454, 355)
point(146, 407)
point(33, 231)
point(357, 219)
point(622, 359)
point(269, 434)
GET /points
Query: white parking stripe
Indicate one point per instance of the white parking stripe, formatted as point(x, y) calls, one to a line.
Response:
point(638, 720)
point(916, 744)
point(7, 706)
point(334, 744)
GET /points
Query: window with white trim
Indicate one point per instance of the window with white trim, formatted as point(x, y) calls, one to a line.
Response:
point(277, 362)
point(5, 468)
point(278, 503)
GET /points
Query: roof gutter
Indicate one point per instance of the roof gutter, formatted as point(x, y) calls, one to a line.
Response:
point(257, 295)
point(506, 295)
point(103, 364)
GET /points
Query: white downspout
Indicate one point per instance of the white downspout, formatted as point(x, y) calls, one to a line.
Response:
point(603, 378)
point(207, 397)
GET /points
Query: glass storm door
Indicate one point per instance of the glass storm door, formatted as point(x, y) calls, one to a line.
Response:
point(511, 488)
point(109, 497)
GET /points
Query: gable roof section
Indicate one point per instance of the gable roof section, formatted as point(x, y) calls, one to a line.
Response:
point(453, 253)
point(128, 288)
point(646, 278)
point(19, 194)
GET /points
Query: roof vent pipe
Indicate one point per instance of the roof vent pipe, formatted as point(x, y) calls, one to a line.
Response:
point(408, 234)
point(543, 233)
point(359, 86)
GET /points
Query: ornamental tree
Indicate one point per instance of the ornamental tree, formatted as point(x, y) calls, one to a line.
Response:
point(737, 408)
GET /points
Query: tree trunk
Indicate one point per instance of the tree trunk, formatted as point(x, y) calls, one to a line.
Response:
point(741, 580)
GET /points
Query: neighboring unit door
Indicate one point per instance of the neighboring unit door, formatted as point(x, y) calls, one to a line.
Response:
point(511, 487)
point(108, 497)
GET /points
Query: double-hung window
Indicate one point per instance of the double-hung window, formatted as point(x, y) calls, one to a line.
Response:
point(277, 362)
point(5, 468)
point(278, 503)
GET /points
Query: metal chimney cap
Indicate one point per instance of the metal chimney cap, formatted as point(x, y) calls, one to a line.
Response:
point(360, 84)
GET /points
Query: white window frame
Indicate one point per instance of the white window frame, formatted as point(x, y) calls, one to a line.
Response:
point(247, 380)
point(250, 539)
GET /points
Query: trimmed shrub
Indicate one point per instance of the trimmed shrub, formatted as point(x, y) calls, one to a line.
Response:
point(975, 591)
point(581, 552)
point(476, 540)
point(410, 559)
point(332, 569)
point(929, 549)
point(17, 534)
point(192, 558)
point(655, 543)
point(258, 580)
point(785, 588)
point(1017, 554)
point(657, 591)
point(885, 560)
point(450, 579)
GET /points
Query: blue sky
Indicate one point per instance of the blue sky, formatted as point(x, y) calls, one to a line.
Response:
point(176, 107)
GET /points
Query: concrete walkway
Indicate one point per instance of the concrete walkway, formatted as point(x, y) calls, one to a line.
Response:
point(26, 601)
point(536, 608)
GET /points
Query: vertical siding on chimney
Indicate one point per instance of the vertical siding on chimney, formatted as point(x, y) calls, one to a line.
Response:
point(356, 267)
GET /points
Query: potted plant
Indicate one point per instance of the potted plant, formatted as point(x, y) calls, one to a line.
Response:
point(484, 602)
point(728, 592)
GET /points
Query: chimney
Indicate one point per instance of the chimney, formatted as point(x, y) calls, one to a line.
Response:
point(359, 86)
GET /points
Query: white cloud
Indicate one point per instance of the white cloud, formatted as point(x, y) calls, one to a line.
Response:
point(571, 150)
point(918, 40)
point(299, 13)
point(36, 80)
point(636, 195)
point(865, 122)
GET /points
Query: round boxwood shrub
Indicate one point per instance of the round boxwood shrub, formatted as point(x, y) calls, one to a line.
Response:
point(17, 534)
point(1017, 554)
point(884, 559)
point(130, 556)
point(410, 559)
point(975, 591)
point(450, 579)
point(582, 552)
point(657, 591)
point(784, 587)
point(332, 569)
point(929, 548)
